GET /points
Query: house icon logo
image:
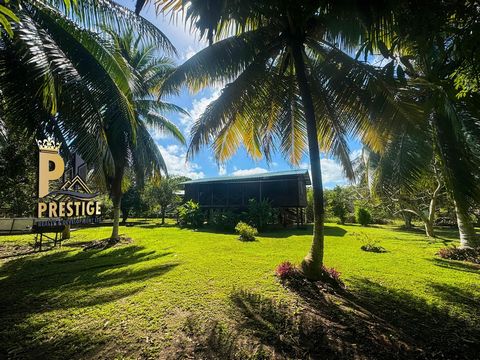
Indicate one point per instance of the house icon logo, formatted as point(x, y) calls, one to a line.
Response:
point(74, 198)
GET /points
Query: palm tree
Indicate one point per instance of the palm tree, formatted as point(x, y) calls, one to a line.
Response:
point(59, 76)
point(127, 144)
point(289, 86)
point(391, 175)
point(444, 75)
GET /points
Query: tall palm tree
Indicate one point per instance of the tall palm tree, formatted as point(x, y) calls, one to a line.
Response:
point(444, 75)
point(290, 86)
point(127, 144)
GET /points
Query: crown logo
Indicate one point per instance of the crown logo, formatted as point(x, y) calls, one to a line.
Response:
point(49, 145)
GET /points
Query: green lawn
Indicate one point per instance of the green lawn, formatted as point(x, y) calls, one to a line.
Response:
point(174, 293)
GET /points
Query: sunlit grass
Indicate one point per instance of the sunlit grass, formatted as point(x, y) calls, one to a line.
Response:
point(131, 299)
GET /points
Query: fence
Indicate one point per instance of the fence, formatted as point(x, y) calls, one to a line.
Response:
point(16, 225)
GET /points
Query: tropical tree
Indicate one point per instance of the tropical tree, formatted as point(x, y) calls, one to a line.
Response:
point(59, 76)
point(18, 167)
point(419, 197)
point(128, 144)
point(163, 193)
point(443, 82)
point(289, 85)
point(132, 201)
point(339, 203)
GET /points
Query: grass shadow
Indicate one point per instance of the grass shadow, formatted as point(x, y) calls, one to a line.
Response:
point(433, 330)
point(456, 265)
point(63, 280)
point(369, 322)
point(444, 235)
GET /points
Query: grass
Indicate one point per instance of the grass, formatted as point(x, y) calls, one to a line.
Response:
point(174, 292)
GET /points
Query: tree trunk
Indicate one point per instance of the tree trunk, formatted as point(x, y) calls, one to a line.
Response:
point(312, 263)
point(430, 220)
point(116, 194)
point(407, 217)
point(163, 215)
point(429, 231)
point(468, 237)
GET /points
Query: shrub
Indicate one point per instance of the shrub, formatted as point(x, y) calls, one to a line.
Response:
point(332, 273)
point(369, 244)
point(363, 216)
point(246, 232)
point(454, 253)
point(259, 213)
point(189, 214)
point(285, 270)
point(224, 220)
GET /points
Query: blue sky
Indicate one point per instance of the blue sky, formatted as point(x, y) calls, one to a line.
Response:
point(203, 165)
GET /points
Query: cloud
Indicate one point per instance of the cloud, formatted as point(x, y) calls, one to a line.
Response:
point(332, 172)
point(190, 51)
point(197, 109)
point(253, 171)
point(222, 170)
point(175, 159)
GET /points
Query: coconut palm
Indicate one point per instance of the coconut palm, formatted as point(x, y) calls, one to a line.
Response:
point(128, 145)
point(440, 65)
point(59, 76)
point(289, 86)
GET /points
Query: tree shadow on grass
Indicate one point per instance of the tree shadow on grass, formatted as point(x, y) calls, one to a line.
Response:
point(437, 332)
point(64, 280)
point(443, 235)
point(456, 265)
point(369, 322)
point(156, 225)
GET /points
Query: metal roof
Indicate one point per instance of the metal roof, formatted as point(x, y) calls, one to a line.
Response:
point(254, 177)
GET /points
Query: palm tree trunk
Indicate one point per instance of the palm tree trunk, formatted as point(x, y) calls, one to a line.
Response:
point(430, 220)
point(312, 263)
point(116, 194)
point(468, 237)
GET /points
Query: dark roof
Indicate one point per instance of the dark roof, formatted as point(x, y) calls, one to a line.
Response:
point(256, 177)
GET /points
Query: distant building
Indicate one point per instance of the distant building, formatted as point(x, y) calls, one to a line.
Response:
point(285, 190)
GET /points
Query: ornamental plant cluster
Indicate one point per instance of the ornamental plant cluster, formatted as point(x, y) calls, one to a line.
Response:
point(246, 232)
point(455, 253)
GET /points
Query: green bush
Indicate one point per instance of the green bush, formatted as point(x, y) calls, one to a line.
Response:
point(190, 214)
point(224, 220)
point(246, 232)
point(259, 213)
point(363, 216)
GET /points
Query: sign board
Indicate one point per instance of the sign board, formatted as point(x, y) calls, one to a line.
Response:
point(73, 202)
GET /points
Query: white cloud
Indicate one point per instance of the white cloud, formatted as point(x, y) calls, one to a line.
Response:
point(175, 159)
point(332, 172)
point(253, 171)
point(189, 52)
point(197, 109)
point(222, 170)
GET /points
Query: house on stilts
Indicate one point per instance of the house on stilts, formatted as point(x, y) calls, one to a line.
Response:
point(285, 191)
